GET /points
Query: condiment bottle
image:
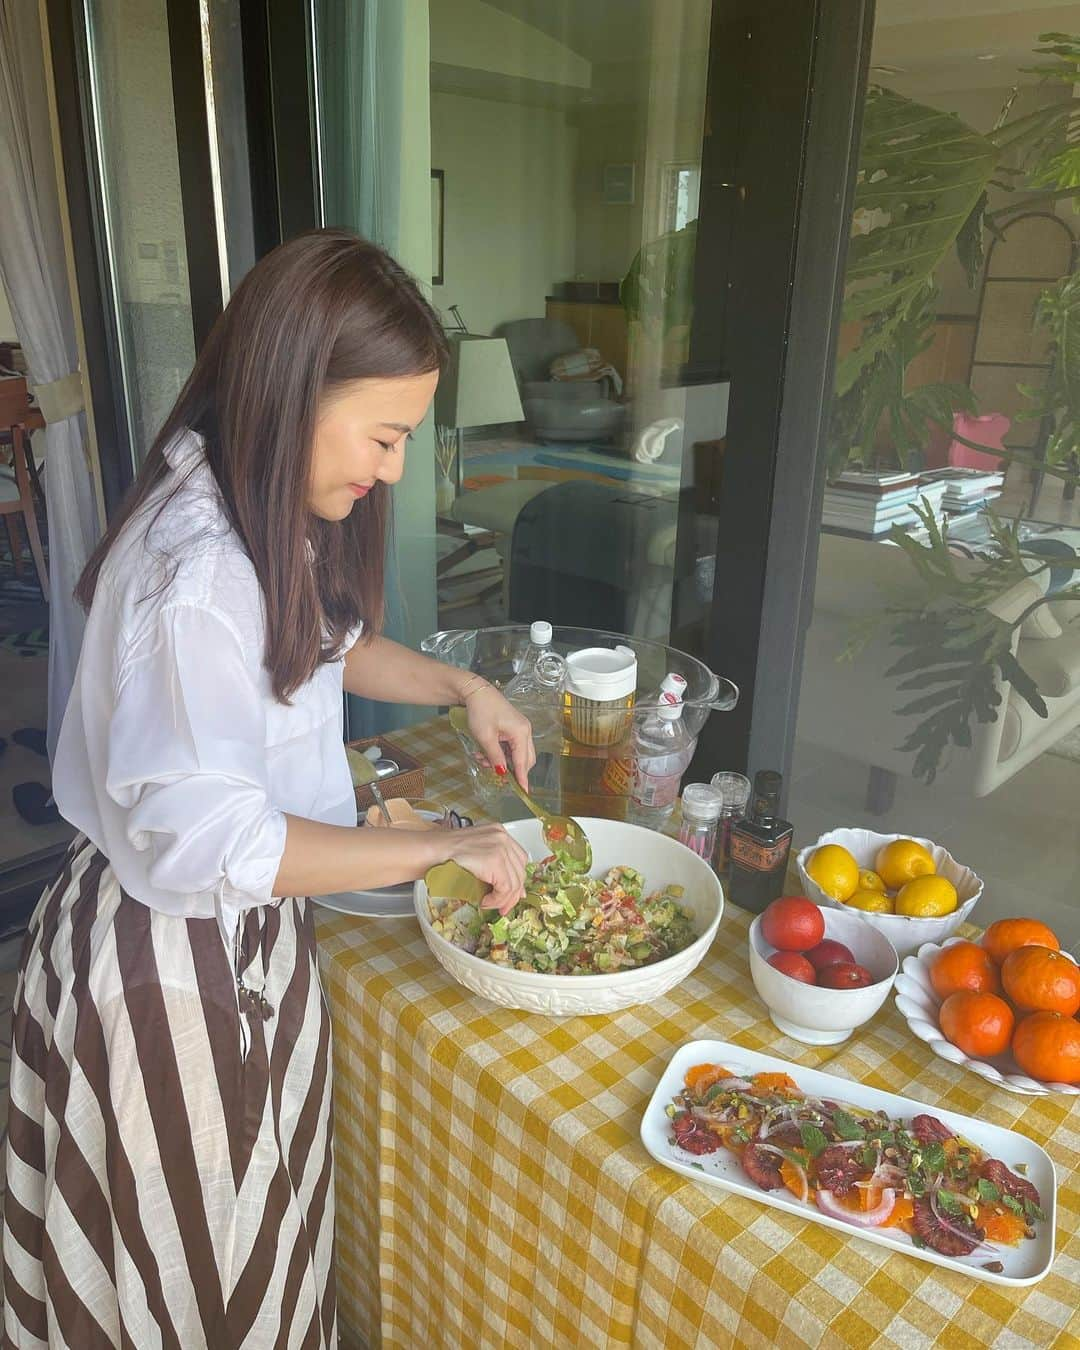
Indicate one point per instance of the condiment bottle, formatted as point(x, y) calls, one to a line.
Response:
point(760, 845)
point(701, 808)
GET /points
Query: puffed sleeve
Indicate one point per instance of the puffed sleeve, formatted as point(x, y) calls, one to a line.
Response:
point(187, 761)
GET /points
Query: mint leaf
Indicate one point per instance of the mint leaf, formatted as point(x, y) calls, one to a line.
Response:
point(814, 1140)
point(1013, 1206)
point(950, 1203)
point(988, 1192)
point(1032, 1210)
point(715, 1091)
point(933, 1156)
point(846, 1126)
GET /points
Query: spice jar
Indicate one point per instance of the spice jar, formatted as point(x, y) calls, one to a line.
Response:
point(702, 805)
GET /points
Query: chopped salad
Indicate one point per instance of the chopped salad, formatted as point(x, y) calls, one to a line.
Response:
point(857, 1165)
point(569, 924)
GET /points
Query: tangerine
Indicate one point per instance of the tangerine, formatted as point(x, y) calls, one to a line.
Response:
point(1047, 1046)
point(964, 965)
point(1040, 979)
point(1005, 935)
point(903, 860)
point(1006, 1228)
point(979, 1024)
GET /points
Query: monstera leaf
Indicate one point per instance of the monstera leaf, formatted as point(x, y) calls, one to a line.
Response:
point(921, 188)
point(1058, 311)
point(658, 289)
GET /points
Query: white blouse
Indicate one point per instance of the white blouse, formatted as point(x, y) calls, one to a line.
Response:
point(174, 756)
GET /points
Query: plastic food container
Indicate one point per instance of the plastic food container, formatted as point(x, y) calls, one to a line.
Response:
point(601, 683)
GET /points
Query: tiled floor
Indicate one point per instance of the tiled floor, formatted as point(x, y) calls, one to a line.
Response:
point(1022, 839)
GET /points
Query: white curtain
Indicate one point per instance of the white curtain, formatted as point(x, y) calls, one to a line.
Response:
point(33, 268)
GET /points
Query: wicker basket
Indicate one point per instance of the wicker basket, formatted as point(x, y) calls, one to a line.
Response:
point(408, 783)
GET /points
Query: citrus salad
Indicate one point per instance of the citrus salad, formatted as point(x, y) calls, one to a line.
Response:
point(857, 1165)
point(568, 924)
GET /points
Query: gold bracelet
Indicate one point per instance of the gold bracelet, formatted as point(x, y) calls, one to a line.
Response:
point(473, 687)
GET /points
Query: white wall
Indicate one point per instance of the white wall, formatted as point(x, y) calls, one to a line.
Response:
point(509, 212)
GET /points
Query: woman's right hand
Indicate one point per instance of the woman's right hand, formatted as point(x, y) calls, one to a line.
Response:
point(491, 855)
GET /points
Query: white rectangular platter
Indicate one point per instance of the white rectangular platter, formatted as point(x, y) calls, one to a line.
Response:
point(1025, 1264)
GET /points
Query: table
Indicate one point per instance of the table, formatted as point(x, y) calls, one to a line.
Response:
point(493, 1192)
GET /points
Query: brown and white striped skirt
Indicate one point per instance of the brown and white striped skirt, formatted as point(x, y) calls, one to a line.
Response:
point(169, 1167)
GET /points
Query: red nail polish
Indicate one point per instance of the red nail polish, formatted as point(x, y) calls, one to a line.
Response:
point(500, 769)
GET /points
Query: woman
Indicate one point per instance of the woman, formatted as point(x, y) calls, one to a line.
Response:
point(169, 1173)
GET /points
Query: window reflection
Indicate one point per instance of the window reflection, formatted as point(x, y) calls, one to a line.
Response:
point(941, 691)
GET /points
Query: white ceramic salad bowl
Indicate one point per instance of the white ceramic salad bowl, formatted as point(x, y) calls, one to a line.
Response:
point(906, 935)
point(919, 1004)
point(661, 860)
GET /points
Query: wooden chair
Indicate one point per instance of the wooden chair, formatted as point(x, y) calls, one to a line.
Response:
point(16, 488)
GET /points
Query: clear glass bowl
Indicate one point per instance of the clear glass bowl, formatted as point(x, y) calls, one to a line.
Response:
point(571, 777)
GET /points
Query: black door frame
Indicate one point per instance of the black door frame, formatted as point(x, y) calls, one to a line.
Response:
point(782, 334)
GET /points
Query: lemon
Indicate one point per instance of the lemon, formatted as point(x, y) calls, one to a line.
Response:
point(901, 861)
point(834, 870)
point(870, 881)
point(873, 902)
point(927, 898)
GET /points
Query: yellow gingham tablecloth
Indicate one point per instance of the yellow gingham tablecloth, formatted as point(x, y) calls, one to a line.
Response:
point(493, 1192)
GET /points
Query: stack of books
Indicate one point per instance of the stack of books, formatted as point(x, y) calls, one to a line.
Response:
point(868, 505)
point(965, 491)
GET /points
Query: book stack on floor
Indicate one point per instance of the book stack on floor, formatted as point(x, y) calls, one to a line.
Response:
point(868, 505)
point(966, 492)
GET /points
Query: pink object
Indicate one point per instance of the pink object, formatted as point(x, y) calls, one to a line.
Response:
point(989, 430)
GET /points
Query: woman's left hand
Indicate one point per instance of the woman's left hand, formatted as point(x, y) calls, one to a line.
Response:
point(495, 722)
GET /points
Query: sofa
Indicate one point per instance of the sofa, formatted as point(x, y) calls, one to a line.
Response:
point(848, 702)
point(558, 410)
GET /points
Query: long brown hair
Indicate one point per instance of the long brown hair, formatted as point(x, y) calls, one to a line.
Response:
point(319, 311)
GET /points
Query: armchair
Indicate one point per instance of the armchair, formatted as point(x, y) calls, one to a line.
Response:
point(557, 410)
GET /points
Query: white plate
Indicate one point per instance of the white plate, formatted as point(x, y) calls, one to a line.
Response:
point(388, 902)
point(391, 902)
point(919, 1005)
point(1026, 1264)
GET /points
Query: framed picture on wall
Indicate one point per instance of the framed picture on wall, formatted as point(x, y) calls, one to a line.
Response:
point(619, 184)
point(438, 184)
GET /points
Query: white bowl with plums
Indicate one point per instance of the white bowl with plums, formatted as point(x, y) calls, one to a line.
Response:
point(820, 972)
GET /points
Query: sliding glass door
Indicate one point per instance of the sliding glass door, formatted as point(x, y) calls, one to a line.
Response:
point(603, 201)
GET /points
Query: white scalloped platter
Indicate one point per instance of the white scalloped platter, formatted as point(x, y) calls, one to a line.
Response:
point(918, 1004)
point(1026, 1264)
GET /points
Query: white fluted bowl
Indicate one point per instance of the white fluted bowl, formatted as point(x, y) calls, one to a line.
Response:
point(919, 1005)
point(906, 935)
point(661, 860)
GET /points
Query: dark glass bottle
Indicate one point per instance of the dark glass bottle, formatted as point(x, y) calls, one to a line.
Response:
point(760, 845)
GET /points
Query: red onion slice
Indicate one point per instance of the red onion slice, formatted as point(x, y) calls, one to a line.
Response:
point(869, 1218)
point(966, 1236)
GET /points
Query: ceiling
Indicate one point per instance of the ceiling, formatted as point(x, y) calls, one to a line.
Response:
point(921, 47)
point(599, 30)
point(964, 44)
